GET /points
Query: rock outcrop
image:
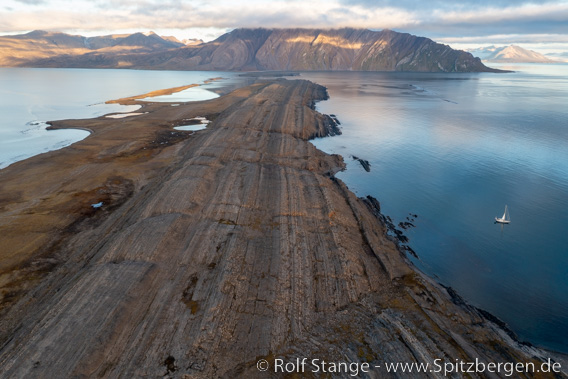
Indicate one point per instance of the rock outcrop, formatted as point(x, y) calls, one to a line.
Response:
point(211, 251)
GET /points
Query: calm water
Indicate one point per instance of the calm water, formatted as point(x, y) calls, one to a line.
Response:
point(29, 97)
point(455, 149)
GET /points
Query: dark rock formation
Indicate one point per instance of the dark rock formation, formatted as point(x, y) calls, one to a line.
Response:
point(364, 163)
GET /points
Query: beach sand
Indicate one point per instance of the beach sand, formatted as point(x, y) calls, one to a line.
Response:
point(161, 92)
point(211, 251)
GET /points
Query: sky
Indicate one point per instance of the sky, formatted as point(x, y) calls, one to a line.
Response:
point(541, 25)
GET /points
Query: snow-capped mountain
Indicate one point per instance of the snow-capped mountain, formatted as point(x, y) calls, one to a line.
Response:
point(192, 41)
point(509, 54)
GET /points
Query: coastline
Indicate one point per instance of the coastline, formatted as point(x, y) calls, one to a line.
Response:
point(127, 102)
point(239, 233)
point(51, 127)
point(132, 100)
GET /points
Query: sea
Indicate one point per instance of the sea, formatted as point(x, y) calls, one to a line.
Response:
point(447, 153)
point(454, 150)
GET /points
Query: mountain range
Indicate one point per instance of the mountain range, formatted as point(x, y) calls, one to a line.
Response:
point(510, 54)
point(242, 50)
point(25, 49)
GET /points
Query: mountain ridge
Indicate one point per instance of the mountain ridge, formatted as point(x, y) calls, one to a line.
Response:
point(26, 49)
point(510, 54)
point(263, 49)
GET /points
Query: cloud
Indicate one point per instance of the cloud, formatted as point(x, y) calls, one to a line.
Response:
point(432, 5)
point(31, 2)
point(434, 18)
point(523, 19)
point(517, 13)
point(506, 39)
point(125, 14)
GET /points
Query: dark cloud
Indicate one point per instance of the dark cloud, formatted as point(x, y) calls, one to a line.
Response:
point(458, 31)
point(413, 5)
point(442, 18)
point(528, 27)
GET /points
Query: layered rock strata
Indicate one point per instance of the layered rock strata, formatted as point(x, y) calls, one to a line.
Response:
point(213, 250)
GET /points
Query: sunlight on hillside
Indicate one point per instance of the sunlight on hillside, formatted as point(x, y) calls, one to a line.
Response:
point(326, 40)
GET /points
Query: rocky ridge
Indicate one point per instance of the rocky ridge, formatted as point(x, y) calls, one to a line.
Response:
point(214, 250)
point(39, 45)
point(282, 49)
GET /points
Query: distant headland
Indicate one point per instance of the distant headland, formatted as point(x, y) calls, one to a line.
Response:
point(242, 50)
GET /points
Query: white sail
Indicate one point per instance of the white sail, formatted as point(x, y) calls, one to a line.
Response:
point(505, 218)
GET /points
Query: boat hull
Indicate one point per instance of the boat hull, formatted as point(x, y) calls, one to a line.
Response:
point(501, 221)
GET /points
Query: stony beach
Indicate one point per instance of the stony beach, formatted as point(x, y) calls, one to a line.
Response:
point(213, 250)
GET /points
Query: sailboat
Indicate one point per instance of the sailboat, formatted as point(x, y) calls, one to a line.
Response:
point(505, 219)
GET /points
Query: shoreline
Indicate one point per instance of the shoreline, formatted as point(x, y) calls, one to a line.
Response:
point(135, 100)
point(130, 100)
point(234, 231)
point(51, 127)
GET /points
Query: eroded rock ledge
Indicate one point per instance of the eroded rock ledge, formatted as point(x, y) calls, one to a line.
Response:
point(213, 250)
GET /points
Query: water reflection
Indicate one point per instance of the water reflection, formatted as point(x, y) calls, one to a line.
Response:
point(454, 148)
